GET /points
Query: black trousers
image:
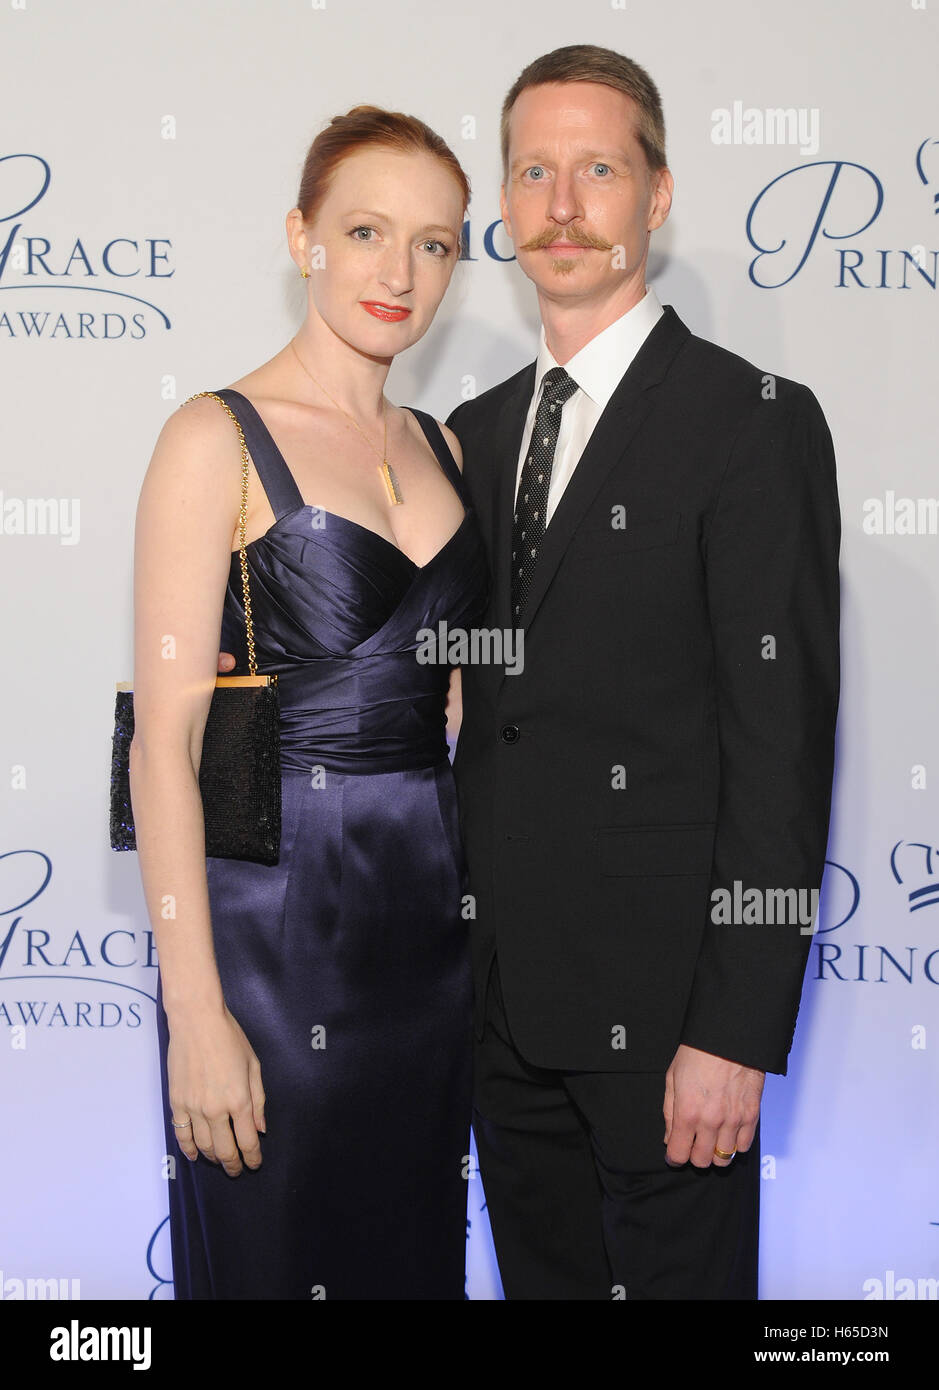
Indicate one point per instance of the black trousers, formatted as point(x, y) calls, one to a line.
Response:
point(581, 1200)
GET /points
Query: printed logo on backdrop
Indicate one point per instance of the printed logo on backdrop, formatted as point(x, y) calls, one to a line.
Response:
point(63, 980)
point(826, 211)
point(913, 867)
point(72, 286)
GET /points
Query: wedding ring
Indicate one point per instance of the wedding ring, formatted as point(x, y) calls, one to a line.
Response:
point(181, 1125)
point(720, 1153)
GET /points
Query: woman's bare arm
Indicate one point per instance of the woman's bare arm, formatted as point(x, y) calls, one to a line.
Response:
point(186, 517)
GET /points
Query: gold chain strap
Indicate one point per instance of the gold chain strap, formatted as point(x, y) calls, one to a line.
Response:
point(242, 523)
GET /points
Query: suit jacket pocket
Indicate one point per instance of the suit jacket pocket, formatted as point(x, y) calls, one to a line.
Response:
point(641, 531)
point(655, 850)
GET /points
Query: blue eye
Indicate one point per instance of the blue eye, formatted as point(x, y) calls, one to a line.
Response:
point(443, 251)
point(604, 167)
point(356, 230)
point(535, 172)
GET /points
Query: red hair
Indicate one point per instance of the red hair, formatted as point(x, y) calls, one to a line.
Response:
point(369, 127)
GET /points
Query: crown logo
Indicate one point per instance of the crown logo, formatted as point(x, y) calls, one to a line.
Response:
point(914, 866)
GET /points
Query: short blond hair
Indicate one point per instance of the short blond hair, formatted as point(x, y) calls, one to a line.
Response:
point(585, 62)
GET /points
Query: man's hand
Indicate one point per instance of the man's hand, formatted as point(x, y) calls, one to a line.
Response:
point(710, 1103)
point(225, 662)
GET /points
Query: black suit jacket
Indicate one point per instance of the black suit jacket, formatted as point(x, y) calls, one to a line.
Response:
point(672, 730)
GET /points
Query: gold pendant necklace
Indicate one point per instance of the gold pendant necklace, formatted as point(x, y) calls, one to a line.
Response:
point(391, 483)
point(387, 473)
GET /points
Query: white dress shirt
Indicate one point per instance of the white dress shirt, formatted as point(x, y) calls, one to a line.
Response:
point(597, 369)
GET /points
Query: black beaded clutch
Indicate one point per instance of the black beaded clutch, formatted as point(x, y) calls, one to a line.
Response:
point(239, 773)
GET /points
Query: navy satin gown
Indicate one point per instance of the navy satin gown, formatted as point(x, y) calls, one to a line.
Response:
point(347, 963)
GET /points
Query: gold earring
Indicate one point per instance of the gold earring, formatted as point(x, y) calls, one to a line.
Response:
point(305, 273)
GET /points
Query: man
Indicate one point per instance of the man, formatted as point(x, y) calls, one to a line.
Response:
point(662, 521)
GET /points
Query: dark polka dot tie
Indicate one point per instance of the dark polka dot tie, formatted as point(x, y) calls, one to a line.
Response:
point(528, 527)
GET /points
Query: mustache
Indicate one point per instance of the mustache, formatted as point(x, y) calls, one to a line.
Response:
point(576, 236)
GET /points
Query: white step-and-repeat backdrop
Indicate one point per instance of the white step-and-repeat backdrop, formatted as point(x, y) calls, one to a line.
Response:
point(149, 156)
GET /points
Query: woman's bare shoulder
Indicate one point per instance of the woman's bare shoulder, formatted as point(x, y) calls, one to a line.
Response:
point(199, 429)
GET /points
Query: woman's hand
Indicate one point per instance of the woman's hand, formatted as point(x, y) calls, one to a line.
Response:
point(215, 1082)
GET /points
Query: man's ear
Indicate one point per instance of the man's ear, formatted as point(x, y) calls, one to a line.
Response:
point(504, 210)
point(663, 188)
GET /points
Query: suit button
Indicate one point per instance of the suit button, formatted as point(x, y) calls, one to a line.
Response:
point(509, 733)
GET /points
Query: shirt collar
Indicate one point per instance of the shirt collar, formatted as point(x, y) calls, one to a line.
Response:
point(599, 365)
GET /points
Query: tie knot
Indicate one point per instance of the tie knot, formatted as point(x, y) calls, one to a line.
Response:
point(558, 386)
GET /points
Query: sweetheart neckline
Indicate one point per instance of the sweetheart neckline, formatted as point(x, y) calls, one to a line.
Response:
point(312, 507)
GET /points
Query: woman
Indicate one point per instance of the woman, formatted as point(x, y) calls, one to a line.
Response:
point(331, 992)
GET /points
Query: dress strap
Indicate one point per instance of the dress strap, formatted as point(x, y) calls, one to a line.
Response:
point(434, 436)
point(276, 478)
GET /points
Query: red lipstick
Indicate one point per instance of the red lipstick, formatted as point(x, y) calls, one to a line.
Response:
point(388, 313)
